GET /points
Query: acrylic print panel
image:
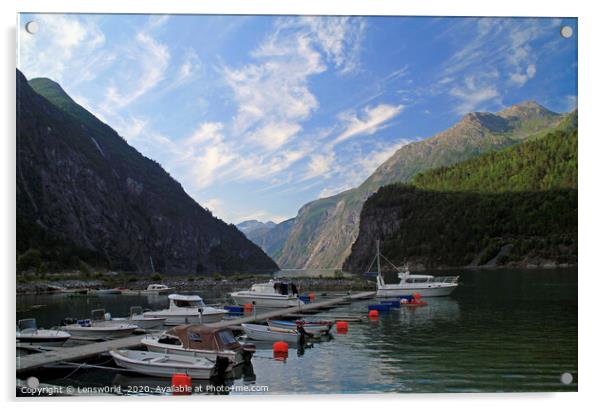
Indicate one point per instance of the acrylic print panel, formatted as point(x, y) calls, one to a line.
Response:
point(324, 204)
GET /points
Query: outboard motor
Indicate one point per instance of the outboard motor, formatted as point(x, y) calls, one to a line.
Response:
point(221, 367)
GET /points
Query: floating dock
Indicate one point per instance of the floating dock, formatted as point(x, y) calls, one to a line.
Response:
point(68, 354)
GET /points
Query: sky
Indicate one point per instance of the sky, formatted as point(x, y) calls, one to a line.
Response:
point(258, 115)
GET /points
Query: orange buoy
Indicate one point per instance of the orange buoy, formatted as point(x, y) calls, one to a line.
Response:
point(342, 327)
point(312, 296)
point(181, 384)
point(280, 350)
point(248, 307)
point(373, 314)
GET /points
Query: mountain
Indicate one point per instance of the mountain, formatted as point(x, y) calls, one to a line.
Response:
point(325, 229)
point(84, 196)
point(254, 228)
point(517, 206)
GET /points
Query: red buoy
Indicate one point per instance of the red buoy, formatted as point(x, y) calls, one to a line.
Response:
point(373, 314)
point(342, 327)
point(312, 296)
point(280, 350)
point(248, 307)
point(181, 384)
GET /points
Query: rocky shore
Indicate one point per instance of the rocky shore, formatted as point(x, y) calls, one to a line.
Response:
point(305, 284)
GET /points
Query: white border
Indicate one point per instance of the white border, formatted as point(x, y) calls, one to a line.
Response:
point(590, 208)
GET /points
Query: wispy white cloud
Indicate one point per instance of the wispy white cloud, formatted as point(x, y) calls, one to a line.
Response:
point(145, 64)
point(63, 43)
point(500, 44)
point(371, 120)
point(475, 93)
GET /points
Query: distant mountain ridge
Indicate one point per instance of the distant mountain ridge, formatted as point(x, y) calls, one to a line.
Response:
point(324, 230)
point(85, 196)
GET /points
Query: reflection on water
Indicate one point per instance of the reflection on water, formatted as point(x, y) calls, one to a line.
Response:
point(502, 330)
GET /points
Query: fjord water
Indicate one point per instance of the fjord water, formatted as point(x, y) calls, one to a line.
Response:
point(501, 331)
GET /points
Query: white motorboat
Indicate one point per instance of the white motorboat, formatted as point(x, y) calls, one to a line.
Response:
point(158, 289)
point(165, 365)
point(425, 285)
point(99, 327)
point(187, 309)
point(271, 334)
point(137, 318)
point(275, 294)
point(200, 341)
point(28, 332)
point(314, 328)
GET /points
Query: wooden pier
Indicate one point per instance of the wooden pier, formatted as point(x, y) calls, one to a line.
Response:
point(37, 360)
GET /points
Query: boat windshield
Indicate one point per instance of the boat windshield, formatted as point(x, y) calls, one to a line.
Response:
point(226, 337)
point(188, 303)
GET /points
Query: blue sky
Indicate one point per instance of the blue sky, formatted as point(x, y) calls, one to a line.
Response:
point(258, 115)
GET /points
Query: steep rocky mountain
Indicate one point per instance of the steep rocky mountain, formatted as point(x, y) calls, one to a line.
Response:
point(254, 228)
point(325, 229)
point(517, 206)
point(84, 196)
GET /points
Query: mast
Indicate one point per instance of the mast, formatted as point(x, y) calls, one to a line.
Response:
point(378, 256)
point(379, 279)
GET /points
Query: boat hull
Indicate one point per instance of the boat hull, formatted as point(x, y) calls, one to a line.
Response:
point(153, 345)
point(100, 331)
point(143, 322)
point(314, 329)
point(42, 337)
point(265, 333)
point(242, 298)
point(160, 365)
point(426, 291)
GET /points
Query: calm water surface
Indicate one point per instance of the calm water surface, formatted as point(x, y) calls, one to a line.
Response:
point(510, 330)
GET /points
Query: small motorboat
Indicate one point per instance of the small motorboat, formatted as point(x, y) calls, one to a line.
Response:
point(201, 341)
point(165, 365)
point(28, 332)
point(272, 334)
point(187, 309)
point(137, 318)
point(157, 289)
point(427, 285)
point(99, 327)
point(276, 294)
point(314, 328)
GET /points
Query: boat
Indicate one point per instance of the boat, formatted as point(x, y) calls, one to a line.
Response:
point(275, 294)
point(187, 309)
point(137, 318)
point(271, 334)
point(314, 327)
point(200, 341)
point(28, 332)
point(166, 365)
point(99, 327)
point(158, 289)
point(425, 285)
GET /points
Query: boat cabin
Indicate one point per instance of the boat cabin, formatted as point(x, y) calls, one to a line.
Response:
point(185, 302)
point(156, 287)
point(199, 337)
point(277, 287)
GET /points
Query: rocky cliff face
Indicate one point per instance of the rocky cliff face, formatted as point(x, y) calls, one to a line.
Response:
point(83, 192)
point(324, 230)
